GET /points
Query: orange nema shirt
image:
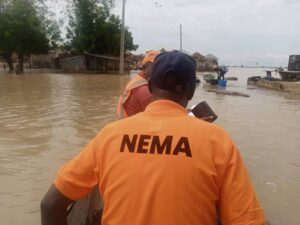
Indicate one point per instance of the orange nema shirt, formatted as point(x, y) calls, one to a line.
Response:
point(163, 167)
point(135, 98)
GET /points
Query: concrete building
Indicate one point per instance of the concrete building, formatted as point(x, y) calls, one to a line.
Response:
point(205, 63)
point(92, 63)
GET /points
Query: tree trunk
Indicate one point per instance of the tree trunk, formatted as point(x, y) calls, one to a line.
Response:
point(21, 63)
point(10, 64)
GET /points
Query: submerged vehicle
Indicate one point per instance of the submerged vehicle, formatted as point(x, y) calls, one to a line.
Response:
point(293, 72)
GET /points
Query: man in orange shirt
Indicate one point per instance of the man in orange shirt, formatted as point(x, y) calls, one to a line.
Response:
point(160, 166)
point(136, 95)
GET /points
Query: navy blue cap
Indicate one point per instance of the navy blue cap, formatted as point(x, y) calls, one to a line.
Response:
point(173, 71)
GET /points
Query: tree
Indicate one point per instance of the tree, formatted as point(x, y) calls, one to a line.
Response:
point(26, 29)
point(6, 47)
point(94, 29)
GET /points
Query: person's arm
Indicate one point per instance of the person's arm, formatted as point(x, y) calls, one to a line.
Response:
point(139, 99)
point(238, 202)
point(54, 207)
point(144, 96)
point(74, 180)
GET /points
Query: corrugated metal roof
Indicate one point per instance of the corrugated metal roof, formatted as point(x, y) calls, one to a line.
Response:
point(102, 56)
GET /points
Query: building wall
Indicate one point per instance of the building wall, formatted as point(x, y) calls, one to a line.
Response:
point(92, 64)
point(76, 64)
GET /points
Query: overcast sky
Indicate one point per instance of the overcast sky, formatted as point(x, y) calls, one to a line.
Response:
point(248, 32)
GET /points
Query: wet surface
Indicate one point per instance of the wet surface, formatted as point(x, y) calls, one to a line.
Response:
point(46, 118)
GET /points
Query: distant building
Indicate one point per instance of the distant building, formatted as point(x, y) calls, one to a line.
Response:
point(93, 63)
point(205, 63)
point(42, 61)
point(136, 61)
point(73, 64)
point(211, 59)
point(101, 63)
point(49, 60)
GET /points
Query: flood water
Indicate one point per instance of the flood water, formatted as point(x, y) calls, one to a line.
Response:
point(46, 118)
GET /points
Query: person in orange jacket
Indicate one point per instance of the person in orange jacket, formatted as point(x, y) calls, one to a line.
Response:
point(160, 166)
point(136, 95)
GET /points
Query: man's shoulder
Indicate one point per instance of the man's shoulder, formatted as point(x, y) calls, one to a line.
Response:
point(189, 122)
point(141, 90)
point(119, 124)
point(209, 129)
point(140, 76)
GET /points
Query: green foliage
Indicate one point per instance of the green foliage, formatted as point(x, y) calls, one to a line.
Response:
point(25, 27)
point(5, 46)
point(94, 29)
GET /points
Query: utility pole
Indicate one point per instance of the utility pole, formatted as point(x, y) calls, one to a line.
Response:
point(180, 37)
point(121, 71)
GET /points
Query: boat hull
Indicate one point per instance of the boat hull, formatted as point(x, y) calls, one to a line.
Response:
point(290, 75)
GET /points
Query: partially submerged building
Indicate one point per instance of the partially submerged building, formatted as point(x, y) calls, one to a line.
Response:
point(49, 60)
point(136, 61)
point(92, 63)
point(205, 63)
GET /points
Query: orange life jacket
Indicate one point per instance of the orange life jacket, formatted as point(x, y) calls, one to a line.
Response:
point(136, 82)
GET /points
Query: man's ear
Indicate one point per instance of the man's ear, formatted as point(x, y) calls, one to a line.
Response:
point(150, 86)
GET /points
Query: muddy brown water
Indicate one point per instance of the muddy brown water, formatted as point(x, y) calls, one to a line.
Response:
point(46, 117)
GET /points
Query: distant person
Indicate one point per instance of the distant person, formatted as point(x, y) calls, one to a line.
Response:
point(161, 166)
point(221, 71)
point(136, 95)
point(268, 75)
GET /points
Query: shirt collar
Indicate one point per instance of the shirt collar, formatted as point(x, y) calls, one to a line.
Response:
point(166, 107)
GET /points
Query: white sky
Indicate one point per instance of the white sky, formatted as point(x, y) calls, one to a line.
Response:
point(236, 31)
